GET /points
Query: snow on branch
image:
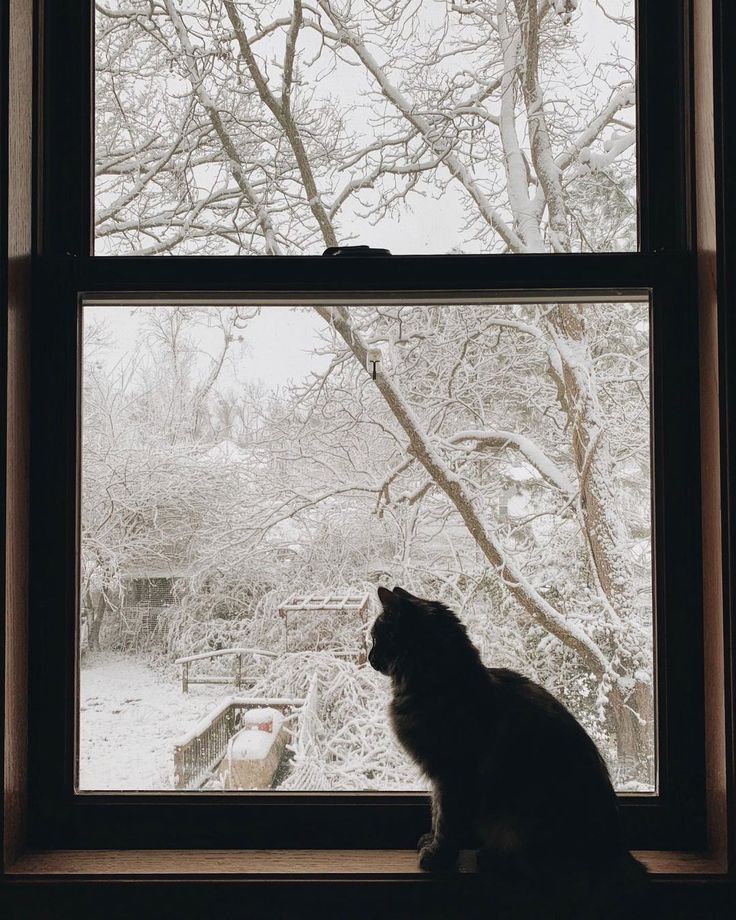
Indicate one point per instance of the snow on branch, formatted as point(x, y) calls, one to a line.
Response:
point(547, 468)
point(409, 111)
point(519, 586)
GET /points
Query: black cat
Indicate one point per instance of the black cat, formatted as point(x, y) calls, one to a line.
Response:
point(513, 773)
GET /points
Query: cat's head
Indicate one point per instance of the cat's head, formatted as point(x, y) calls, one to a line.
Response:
point(392, 629)
point(411, 631)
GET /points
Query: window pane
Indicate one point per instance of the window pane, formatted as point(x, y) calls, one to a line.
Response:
point(247, 484)
point(226, 127)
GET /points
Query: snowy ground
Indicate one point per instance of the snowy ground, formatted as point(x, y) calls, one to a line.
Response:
point(131, 714)
point(129, 718)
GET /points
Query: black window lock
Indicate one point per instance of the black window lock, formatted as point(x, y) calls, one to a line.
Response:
point(355, 251)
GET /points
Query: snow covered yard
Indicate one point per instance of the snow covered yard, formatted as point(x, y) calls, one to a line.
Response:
point(129, 716)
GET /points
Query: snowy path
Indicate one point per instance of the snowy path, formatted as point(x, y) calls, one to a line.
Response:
point(129, 716)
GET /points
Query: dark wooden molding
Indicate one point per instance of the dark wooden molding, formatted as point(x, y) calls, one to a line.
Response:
point(17, 188)
point(304, 864)
point(710, 434)
point(724, 28)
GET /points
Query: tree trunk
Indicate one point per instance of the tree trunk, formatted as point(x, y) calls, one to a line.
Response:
point(631, 722)
point(605, 536)
point(540, 145)
point(97, 615)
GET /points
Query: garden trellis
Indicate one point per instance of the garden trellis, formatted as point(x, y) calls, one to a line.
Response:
point(335, 621)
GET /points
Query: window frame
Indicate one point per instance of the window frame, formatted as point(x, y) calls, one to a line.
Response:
point(65, 272)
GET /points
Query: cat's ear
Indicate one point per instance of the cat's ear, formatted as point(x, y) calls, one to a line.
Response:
point(401, 593)
point(386, 597)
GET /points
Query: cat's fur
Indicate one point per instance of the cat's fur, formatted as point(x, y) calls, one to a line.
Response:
point(512, 772)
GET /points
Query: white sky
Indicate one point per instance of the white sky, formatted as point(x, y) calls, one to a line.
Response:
point(281, 346)
point(280, 342)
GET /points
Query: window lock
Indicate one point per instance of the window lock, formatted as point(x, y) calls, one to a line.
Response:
point(355, 251)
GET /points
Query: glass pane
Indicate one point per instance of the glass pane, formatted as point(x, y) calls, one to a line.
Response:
point(247, 484)
point(233, 127)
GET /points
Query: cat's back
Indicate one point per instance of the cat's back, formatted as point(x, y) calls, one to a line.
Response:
point(536, 727)
point(544, 758)
point(520, 697)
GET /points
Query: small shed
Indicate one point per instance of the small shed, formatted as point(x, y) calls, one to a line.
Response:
point(146, 593)
point(334, 621)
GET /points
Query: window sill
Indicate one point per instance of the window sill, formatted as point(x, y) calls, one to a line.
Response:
point(262, 865)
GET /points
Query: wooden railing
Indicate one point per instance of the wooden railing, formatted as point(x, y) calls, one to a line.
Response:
point(237, 678)
point(305, 738)
point(197, 753)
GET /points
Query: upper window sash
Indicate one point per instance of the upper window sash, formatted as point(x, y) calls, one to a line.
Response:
point(277, 127)
point(66, 225)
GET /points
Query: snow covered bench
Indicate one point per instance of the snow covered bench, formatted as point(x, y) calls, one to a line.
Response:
point(198, 754)
point(254, 753)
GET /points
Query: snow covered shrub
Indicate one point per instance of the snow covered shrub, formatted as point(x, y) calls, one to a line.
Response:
point(212, 614)
point(352, 746)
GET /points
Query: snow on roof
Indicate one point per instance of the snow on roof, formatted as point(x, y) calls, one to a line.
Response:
point(286, 530)
point(153, 570)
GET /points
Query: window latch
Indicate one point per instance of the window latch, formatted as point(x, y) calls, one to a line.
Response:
point(355, 251)
point(373, 358)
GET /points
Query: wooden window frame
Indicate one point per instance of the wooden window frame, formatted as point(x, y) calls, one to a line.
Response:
point(46, 259)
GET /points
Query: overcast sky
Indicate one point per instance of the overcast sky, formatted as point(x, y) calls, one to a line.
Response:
point(280, 342)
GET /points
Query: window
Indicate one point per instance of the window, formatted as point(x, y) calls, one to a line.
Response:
point(520, 183)
point(247, 450)
point(279, 127)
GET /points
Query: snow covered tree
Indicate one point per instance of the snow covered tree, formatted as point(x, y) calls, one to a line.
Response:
point(232, 127)
point(149, 486)
point(469, 403)
point(284, 127)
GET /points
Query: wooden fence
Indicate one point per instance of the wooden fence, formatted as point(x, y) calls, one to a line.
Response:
point(305, 739)
point(197, 753)
point(236, 679)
